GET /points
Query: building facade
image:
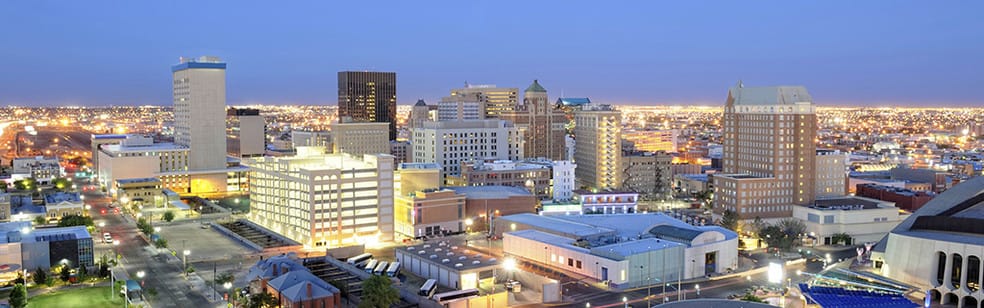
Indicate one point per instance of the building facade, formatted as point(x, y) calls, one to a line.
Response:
point(534, 177)
point(459, 107)
point(652, 140)
point(769, 147)
point(863, 220)
point(245, 132)
point(543, 125)
point(831, 178)
point(648, 173)
point(598, 147)
point(324, 200)
point(449, 143)
point(428, 213)
point(200, 111)
point(495, 99)
point(360, 138)
point(368, 97)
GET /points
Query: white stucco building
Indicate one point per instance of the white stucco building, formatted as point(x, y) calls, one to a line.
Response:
point(863, 219)
point(324, 200)
point(628, 250)
point(939, 247)
point(449, 142)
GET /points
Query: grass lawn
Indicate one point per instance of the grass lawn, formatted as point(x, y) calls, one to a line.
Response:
point(78, 298)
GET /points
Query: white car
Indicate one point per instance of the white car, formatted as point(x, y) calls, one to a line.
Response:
point(107, 238)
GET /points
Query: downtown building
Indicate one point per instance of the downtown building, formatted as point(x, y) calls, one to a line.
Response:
point(769, 152)
point(323, 200)
point(495, 100)
point(196, 162)
point(368, 97)
point(448, 143)
point(543, 126)
point(245, 133)
point(648, 173)
point(544, 178)
point(598, 147)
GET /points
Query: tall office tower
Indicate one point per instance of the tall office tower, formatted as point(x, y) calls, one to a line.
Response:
point(246, 133)
point(352, 196)
point(542, 123)
point(769, 152)
point(496, 100)
point(368, 97)
point(450, 142)
point(460, 107)
point(598, 147)
point(199, 111)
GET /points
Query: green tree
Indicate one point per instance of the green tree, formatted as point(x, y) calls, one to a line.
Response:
point(62, 184)
point(144, 226)
point(223, 278)
point(705, 197)
point(752, 298)
point(40, 276)
point(160, 243)
point(838, 238)
point(83, 271)
point(168, 216)
point(18, 296)
point(40, 220)
point(75, 220)
point(783, 234)
point(65, 273)
point(3, 186)
point(377, 291)
point(261, 300)
point(26, 184)
point(730, 220)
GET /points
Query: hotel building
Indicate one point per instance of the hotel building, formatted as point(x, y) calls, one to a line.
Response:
point(769, 152)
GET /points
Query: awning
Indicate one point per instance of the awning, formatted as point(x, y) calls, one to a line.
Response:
point(180, 205)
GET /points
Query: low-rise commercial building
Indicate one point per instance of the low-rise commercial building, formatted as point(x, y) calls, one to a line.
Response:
point(536, 175)
point(429, 212)
point(41, 169)
point(61, 204)
point(489, 201)
point(863, 220)
point(626, 250)
point(905, 199)
point(591, 202)
point(455, 267)
point(141, 191)
point(28, 248)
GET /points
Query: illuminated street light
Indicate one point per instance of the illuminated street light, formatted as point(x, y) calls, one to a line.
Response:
point(775, 272)
point(509, 264)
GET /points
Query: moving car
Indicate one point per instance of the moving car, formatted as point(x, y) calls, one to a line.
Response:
point(107, 238)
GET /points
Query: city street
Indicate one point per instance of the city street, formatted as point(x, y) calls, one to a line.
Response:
point(161, 274)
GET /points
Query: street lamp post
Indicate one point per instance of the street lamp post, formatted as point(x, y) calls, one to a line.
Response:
point(625, 301)
point(140, 275)
point(697, 287)
point(184, 261)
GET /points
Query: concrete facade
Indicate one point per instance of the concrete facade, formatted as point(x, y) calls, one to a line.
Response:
point(449, 143)
point(598, 148)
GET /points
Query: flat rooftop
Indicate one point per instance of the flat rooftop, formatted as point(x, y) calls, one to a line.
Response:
point(138, 180)
point(742, 176)
point(62, 197)
point(451, 256)
point(489, 192)
point(164, 146)
point(556, 224)
point(846, 204)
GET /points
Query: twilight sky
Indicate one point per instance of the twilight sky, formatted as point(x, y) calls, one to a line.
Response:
point(847, 53)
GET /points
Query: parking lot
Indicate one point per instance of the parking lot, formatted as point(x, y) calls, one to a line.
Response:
point(204, 244)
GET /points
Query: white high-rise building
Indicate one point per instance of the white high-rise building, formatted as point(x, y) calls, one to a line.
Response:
point(448, 143)
point(199, 111)
point(323, 200)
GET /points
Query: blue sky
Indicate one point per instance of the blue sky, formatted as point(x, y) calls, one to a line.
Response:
point(876, 53)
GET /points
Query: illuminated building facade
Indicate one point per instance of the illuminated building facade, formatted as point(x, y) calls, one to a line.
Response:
point(368, 97)
point(323, 200)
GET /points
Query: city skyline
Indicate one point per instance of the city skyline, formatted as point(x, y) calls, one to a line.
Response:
point(867, 54)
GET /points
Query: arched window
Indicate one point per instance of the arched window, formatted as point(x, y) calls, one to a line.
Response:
point(940, 267)
point(973, 273)
point(957, 268)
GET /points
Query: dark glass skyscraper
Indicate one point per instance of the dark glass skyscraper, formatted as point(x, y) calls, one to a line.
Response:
point(368, 97)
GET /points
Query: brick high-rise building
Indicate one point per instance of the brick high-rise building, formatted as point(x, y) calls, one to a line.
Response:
point(769, 152)
point(543, 124)
point(368, 97)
